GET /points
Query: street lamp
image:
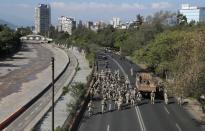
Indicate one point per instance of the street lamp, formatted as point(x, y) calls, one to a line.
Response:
point(52, 61)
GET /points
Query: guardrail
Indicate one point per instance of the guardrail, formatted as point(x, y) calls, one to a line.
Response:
point(15, 115)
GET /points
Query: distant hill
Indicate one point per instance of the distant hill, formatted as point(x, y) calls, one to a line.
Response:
point(10, 25)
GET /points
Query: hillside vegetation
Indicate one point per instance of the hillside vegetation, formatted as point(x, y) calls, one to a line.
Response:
point(176, 54)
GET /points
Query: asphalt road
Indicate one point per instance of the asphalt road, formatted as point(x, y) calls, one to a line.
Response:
point(145, 117)
point(22, 122)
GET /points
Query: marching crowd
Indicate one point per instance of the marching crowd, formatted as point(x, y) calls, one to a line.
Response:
point(115, 92)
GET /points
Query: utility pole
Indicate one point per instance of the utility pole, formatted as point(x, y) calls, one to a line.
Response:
point(52, 61)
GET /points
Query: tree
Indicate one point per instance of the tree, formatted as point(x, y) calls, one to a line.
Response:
point(24, 31)
point(192, 23)
point(140, 20)
point(181, 19)
point(179, 53)
point(9, 41)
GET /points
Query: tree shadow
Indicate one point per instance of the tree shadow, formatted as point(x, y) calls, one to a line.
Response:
point(142, 103)
point(7, 65)
point(158, 101)
point(18, 58)
point(25, 48)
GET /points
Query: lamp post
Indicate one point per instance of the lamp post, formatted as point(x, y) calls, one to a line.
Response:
point(52, 61)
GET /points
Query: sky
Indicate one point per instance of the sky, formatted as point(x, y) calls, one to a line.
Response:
point(21, 12)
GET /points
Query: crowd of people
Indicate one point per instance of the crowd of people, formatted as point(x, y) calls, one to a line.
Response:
point(114, 92)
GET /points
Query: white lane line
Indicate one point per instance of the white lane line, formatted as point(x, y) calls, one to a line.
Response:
point(142, 126)
point(108, 127)
point(178, 127)
point(140, 115)
point(140, 118)
point(166, 109)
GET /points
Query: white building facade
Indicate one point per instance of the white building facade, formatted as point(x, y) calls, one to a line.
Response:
point(193, 13)
point(66, 24)
point(89, 24)
point(42, 18)
point(115, 22)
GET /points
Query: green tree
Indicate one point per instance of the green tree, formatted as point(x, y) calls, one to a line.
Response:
point(181, 19)
point(140, 20)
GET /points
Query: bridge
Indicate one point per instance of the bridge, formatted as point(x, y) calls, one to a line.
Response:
point(36, 39)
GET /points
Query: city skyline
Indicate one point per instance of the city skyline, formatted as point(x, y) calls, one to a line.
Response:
point(22, 13)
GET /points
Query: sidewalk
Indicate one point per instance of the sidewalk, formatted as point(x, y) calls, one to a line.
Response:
point(61, 113)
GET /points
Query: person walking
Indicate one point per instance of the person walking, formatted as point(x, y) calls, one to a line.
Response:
point(90, 108)
point(152, 95)
point(165, 98)
point(131, 72)
point(132, 100)
point(119, 103)
point(180, 100)
point(139, 97)
point(127, 95)
point(103, 106)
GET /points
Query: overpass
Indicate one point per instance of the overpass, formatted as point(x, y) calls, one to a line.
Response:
point(36, 39)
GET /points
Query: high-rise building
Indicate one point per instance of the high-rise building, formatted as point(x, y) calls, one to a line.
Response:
point(115, 22)
point(98, 25)
point(170, 21)
point(89, 24)
point(66, 24)
point(193, 13)
point(80, 24)
point(42, 18)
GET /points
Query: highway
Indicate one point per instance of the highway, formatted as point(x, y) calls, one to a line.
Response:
point(31, 116)
point(144, 117)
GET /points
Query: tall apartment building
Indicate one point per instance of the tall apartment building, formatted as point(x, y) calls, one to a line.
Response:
point(115, 22)
point(42, 18)
point(89, 24)
point(80, 24)
point(193, 13)
point(66, 24)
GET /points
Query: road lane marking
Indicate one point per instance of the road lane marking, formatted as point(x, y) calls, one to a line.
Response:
point(108, 127)
point(142, 126)
point(140, 115)
point(166, 109)
point(139, 119)
point(178, 127)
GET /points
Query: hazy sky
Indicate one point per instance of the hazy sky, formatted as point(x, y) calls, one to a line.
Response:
point(21, 12)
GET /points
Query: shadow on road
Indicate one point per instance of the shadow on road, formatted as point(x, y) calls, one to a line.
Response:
point(7, 65)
